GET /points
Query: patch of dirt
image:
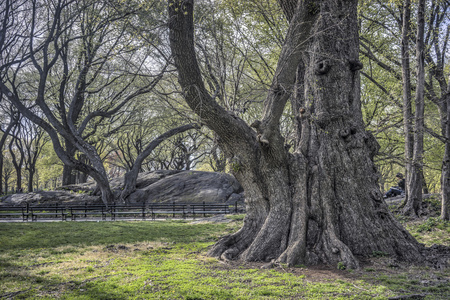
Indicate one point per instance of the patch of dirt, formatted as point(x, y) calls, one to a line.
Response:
point(311, 273)
point(116, 248)
point(215, 219)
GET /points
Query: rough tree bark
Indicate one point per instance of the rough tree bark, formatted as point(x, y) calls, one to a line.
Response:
point(445, 176)
point(321, 203)
point(13, 121)
point(414, 182)
point(132, 175)
point(406, 83)
point(68, 177)
point(17, 162)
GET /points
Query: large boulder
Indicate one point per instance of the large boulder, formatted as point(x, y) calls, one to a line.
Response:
point(155, 186)
point(50, 198)
point(187, 186)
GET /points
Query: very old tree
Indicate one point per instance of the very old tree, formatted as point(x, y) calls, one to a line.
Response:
point(319, 202)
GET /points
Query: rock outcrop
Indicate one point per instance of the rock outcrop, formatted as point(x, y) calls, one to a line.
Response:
point(155, 186)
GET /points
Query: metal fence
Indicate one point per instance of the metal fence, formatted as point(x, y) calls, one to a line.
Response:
point(113, 212)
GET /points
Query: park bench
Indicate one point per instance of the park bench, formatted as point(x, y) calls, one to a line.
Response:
point(49, 211)
point(209, 209)
point(168, 209)
point(88, 210)
point(14, 211)
point(127, 211)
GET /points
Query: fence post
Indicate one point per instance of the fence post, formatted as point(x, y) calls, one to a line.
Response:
point(204, 209)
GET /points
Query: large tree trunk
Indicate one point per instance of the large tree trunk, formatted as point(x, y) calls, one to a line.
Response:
point(68, 177)
point(414, 182)
point(321, 203)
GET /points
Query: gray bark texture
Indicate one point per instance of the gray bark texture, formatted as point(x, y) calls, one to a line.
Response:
point(414, 181)
point(320, 203)
point(445, 176)
point(406, 83)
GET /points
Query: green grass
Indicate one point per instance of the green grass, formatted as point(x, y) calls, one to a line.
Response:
point(167, 260)
point(44, 235)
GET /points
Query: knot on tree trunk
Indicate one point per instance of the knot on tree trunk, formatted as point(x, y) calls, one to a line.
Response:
point(257, 125)
point(322, 67)
point(346, 133)
point(355, 65)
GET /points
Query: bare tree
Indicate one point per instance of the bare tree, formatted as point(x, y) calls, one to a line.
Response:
point(132, 174)
point(33, 139)
point(88, 71)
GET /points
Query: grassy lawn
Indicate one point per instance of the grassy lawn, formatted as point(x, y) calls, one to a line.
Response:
point(166, 260)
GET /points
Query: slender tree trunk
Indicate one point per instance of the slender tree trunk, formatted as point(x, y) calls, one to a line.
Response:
point(406, 82)
point(321, 203)
point(445, 176)
point(6, 186)
point(1, 173)
point(414, 183)
point(445, 181)
point(17, 162)
point(30, 180)
point(12, 123)
point(425, 189)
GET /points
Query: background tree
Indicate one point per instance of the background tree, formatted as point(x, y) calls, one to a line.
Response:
point(33, 139)
point(381, 29)
point(110, 64)
point(414, 183)
point(132, 174)
point(406, 83)
point(5, 129)
point(17, 154)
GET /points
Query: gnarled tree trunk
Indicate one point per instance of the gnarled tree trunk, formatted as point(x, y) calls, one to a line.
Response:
point(320, 203)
